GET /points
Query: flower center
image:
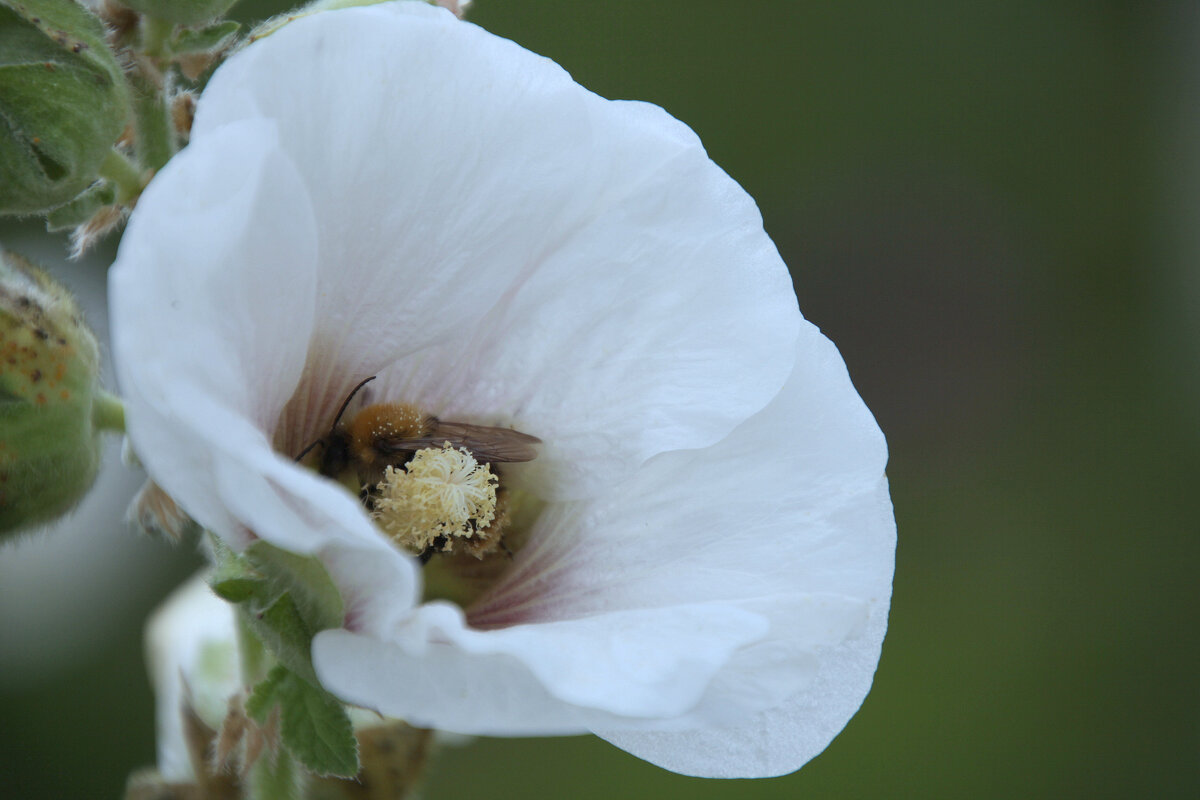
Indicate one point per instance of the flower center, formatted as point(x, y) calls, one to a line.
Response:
point(441, 500)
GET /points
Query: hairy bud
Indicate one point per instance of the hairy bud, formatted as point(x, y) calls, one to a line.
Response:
point(65, 103)
point(51, 407)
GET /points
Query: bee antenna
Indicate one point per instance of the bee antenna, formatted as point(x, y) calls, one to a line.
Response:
point(338, 418)
point(304, 452)
point(349, 397)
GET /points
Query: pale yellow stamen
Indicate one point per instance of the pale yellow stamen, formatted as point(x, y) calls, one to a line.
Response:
point(440, 492)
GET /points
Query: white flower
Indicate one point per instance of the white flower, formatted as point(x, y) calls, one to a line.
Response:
point(390, 191)
point(192, 654)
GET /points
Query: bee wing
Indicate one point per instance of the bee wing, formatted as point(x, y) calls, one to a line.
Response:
point(485, 442)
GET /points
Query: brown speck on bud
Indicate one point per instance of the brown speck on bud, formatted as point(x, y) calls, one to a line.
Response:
point(183, 112)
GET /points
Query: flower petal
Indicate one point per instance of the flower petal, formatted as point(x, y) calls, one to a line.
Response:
point(844, 542)
point(713, 588)
point(202, 363)
point(192, 655)
point(536, 679)
point(778, 740)
point(501, 246)
point(504, 246)
point(791, 501)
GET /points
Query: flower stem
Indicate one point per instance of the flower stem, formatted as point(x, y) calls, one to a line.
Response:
point(108, 412)
point(155, 35)
point(151, 116)
point(123, 174)
point(255, 661)
point(275, 778)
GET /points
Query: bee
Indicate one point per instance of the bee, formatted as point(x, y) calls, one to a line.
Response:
point(390, 434)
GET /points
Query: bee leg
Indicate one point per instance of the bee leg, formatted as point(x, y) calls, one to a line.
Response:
point(366, 495)
point(436, 546)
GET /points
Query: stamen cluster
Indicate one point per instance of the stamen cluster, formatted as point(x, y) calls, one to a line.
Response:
point(440, 494)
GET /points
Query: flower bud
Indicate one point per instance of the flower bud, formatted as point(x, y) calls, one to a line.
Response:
point(65, 103)
point(50, 402)
point(181, 12)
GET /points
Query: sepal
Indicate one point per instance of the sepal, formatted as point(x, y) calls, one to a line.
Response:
point(83, 208)
point(204, 40)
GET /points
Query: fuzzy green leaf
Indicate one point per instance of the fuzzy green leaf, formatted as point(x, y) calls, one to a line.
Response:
point(205, 40)
point(233, 578)
point(285, 599)
point(266, 694)
point(317, 730)
point(283, 632)
point(303, 577)
point(313, 723)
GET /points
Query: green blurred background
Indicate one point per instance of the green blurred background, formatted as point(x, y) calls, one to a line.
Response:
point(991, 209)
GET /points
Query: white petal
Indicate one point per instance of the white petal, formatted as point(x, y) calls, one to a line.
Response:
point(209, 357)
point(505, 246)
point(844, 541)
point(737, 595)
point(563, 677)
point(192, 652)
point(778, 740)
point(789, 502)
point(502, 246)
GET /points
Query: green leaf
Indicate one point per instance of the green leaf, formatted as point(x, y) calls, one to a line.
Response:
point(314, 724)
point(82, 208)
point(283, 632)
point(303, 577)
point(266, 694)
point(214, 37)
point(237, 589)
point(285, 599)
point(317, 729)
point(233, 578)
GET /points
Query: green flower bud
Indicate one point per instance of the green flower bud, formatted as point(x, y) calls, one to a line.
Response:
point(181, 12)
point(51, 406)
point(63, 103)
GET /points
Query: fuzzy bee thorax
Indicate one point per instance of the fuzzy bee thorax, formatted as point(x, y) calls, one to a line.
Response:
point(385, 421)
